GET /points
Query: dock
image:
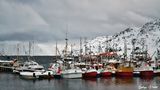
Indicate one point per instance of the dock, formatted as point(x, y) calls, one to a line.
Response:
point(6, 69)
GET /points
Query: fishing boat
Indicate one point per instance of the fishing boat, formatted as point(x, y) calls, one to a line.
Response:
point(143, 64)
point(157, 63)
point(146, 70)
point(32, 70)
point(123, 71)
point(108, 71)
point(110, 61)
point(56, 69)
point(70, 70)
point(72, 73)
point(36, 75)
point(29, 66)
point(90, 73)
point(29, 75)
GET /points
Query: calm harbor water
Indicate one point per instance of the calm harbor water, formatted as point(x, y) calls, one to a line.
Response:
point(10, 81)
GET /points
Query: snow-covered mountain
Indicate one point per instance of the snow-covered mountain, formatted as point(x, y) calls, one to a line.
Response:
point(145, 37)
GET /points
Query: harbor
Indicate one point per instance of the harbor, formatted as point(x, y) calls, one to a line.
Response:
point(111, 65)
point(94, 70)
point(108, 81)
point(79, 44)
point(13, 82)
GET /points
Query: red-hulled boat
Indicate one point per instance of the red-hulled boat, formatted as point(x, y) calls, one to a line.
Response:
point(108, 71)
point(146, 73)
point(106, 74)
point(146, 70)
point(91, 73)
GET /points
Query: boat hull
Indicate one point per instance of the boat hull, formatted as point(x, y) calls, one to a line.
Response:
point(106, 74)
point(148, 73)
point(57, 76)
point(72, 75)
point(136, 73)
point(124, 74)
point(89, 75)
point(36, 75)
point(29, 75)
point(157, 72)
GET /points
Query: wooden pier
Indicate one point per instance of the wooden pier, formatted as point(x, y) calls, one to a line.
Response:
point(6, 69)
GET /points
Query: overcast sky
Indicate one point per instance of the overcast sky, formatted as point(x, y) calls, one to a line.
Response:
point(48, 20)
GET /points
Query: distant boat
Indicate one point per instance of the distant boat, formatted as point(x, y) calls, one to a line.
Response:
point(157, 63)
point(72, 73)
point(32, 70)
point(107, 71)
point(36, 75)
point(124, 71)
point(146, 70)
point(90, 73)
point(56, 69)
point(70, 70)
point(29, 66)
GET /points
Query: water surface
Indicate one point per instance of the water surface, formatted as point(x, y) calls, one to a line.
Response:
point(9, 81)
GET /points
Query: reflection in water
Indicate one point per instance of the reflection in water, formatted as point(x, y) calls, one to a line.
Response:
point(107, 81)
point(125, 81)
point(147, 83)
point(13, 82)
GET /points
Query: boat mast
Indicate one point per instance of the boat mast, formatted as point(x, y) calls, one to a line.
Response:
point(56, 50)
point(29, 53)
point(125, 51)
point(106, 49)
point(99, 48)
point(85, 50)
point(18, 51)
point(66, 47)
point(80, 51)
point(133, 48)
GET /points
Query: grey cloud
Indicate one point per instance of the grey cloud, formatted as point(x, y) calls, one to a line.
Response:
point(48, 20)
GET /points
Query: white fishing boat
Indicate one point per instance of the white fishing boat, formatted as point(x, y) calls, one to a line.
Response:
point(36, 75)
point(72, 73)
point(69, 70)
point(29, 75)
point(29, 66)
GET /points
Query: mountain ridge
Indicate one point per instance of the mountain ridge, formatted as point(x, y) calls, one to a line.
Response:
point(146, 37)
